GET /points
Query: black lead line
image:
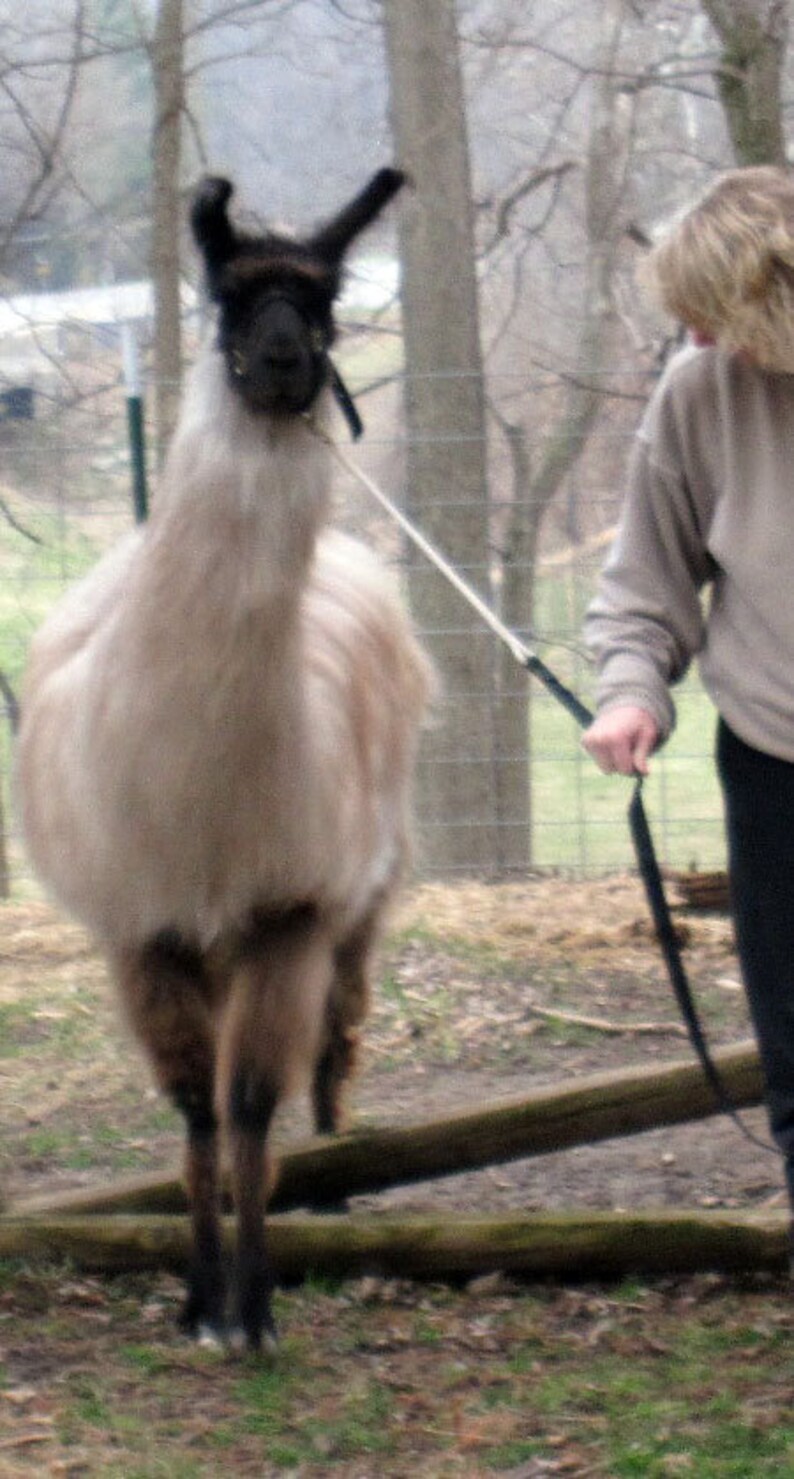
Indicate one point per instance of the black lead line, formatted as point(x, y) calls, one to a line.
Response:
point(639, 828)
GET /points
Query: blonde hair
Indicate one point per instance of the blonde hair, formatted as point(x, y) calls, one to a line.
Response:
point(727, 269)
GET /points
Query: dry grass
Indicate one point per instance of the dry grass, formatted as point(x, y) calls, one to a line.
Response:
point(552, 918)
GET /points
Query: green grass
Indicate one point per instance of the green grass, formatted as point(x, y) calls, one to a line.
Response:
point(17, 1030)
point(579, 814)
point(696, 1410)
point(34, 575)
point(682, 1376)
point(355, 1424)
point(74, 1149)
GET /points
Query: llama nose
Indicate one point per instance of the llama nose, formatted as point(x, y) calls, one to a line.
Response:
point(281, 336)
point(281, 353)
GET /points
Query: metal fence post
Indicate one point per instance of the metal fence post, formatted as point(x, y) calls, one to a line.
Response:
point(135, 426)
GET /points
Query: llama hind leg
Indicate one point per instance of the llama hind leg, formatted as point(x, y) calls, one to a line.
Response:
point(348, 1006)
point(270, 1036)
point(168, 996)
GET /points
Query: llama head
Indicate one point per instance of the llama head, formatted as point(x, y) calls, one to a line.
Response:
point(275, 295)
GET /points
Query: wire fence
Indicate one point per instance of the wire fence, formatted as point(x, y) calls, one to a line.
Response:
point(67, 494)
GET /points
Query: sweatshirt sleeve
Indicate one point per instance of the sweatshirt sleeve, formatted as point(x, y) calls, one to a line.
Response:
point(646, 621)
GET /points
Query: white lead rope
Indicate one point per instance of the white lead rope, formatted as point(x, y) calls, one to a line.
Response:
point(520, 652)
point(643, 842)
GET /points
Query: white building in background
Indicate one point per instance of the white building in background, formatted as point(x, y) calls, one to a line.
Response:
point(371, 283)
point(37, 329)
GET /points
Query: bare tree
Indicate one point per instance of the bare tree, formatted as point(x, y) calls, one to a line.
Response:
point(753, 35)
point(445, 413)
point(439, 303)
point(168, 69)
point(176, 28)
point(536, 480)
point(40, 70)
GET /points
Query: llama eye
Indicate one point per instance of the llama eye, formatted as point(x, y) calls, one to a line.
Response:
point(317, 339)
point(239, 363)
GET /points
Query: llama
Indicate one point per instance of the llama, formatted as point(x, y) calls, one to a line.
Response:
point(218, 731)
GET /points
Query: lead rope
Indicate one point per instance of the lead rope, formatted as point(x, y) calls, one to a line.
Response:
point(645, 852)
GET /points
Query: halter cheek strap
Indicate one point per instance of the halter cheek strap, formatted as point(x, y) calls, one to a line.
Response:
point(345, 402)
point(341, 393)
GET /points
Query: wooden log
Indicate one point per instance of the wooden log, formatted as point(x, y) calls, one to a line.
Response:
point(706, 891)
point(598, 1107)
point(156, 1193)
point(568, 1245)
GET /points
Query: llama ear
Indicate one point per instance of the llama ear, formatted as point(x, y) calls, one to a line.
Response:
point(332, 240)
point(212, 229)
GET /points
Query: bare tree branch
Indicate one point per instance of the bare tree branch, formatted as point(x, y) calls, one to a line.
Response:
point(12, 710)
point(527, 186)
point(11, 519)
point(47, 143)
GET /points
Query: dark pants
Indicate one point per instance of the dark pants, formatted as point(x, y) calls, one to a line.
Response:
point(759, 813)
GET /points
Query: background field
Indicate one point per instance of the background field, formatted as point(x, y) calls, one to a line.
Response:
point(578, 815)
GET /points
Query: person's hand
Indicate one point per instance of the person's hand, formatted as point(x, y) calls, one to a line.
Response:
point(621, 739)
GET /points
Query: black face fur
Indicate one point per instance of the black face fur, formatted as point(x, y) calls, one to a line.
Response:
point(275, 296)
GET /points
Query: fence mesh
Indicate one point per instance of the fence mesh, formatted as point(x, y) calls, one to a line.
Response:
point(66, 495)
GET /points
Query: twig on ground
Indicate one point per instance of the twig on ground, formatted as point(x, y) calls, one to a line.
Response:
point(602, 1024)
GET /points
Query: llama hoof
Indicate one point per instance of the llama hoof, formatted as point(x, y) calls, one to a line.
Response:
point(242, 1343)
point(207, 1338)
point(202, 1326)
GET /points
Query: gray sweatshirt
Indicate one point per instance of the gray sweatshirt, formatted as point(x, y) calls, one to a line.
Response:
point(703, 562)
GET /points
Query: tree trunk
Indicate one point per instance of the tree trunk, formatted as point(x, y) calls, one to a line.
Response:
point(599, 1107)
point(445, 413)
point(11, 705)
point(535, 482)
point(753, 35)
point(562, 1245)
point(168, 69)
point(5, 870)
point(513, 690)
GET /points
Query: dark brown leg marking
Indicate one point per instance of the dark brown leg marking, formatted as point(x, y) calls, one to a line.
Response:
point(348, 1006)
point(170, 998)
point(253, 1102)
point(271, 1034)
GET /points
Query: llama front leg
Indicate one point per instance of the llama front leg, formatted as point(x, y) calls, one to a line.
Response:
point(169, 999)
point(253, 1101)
point(270, 1039)
point(204, 1312)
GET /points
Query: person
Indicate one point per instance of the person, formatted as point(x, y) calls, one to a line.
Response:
point(703, 566)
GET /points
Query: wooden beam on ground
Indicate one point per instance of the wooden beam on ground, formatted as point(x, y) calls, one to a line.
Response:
point(598, 1107)
point(566, 1245)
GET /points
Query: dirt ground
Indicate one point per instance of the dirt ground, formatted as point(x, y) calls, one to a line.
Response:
point(587, 949)
point(480, 991)
point(469, 978)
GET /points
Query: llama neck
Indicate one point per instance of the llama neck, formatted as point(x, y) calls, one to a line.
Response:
point(243, 495)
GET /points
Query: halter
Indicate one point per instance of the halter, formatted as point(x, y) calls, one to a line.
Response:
point(345, 401)
point(319, 348)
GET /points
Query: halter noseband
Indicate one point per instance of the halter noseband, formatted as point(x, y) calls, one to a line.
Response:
point(319, 347)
